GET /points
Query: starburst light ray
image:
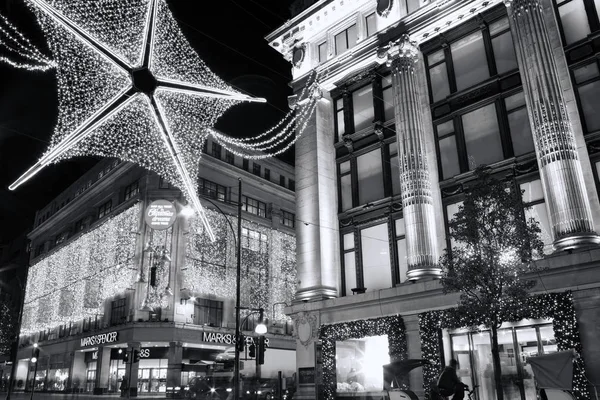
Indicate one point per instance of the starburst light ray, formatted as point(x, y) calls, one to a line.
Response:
point(105, 63)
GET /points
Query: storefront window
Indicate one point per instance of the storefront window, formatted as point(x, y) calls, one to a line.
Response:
point(473, 351)
point(90, 376)
point(115, 374)
point(57, 379)
point(359, 363)
point(152, 376)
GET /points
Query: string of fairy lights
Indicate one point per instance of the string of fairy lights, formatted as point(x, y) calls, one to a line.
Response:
point(72, 283)
point(23, 53)
point(268, 263)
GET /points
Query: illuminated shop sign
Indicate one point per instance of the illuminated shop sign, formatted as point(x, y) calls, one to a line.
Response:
point(226, 338)
point(102, 338)
point(160, 214)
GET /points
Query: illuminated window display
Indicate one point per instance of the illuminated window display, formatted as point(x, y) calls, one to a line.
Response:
point(359, 363)
point(57, 379)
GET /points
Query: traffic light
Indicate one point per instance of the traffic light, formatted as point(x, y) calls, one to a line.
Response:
point(262, 347)
point(240, 343)
point(125, 354)
point(136, 356)
point(35, 353)
point(252, 350)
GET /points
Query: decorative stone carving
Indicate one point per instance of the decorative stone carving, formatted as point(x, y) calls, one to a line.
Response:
point(298, 55)
point(384, 7)
point(305, 327)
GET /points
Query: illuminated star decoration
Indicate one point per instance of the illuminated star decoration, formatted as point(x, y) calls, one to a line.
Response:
point(130, 86)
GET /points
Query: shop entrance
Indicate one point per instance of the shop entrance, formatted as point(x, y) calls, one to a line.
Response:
point(473, 351)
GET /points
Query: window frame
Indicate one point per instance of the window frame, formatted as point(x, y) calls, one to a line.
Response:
point(212, 190)
point(259, 206)
point(105, 209)
point(288, 219)
point(345, 32)
point(576, 86)
point(132, 190)
point(593, 21)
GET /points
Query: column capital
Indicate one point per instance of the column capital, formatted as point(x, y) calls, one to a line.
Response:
point(402, 53)
point(522, 5)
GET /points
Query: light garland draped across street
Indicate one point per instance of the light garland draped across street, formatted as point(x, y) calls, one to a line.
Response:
point(130, 86)
point(268, 263)
point(21, 53)
point(72, 283)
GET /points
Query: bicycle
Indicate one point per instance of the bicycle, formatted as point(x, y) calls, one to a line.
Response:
point(470, 392)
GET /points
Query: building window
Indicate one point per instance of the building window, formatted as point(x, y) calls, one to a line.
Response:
point(400, 235)
point(254, 206)
point(281, 180)
point(209, 312)
point(216, 150)
point(587, 83)
point(256, 169)
point(105, 209)
point(163, 183)
point(371, 23)
point(535, 207)
point(229, 157)
point(362, 104)
point(345, 177)
point(62, 237)
point(375, 253)
point(254, 240)
point(518, 124)
point(288, 219)
point(370, 177)
point(394, 168)
point(451, 210)
point(245, 164)
point(132, 190)
point(484, 140)
point(292, 185)
point(346, 39)
point(340, 124)
point(349, 259)
point(267, 174)
point(502, 44)
point(576, 23)
point(212, 190)
point(469, 60)
point(388, 98)
point(322, 52)
point(469, 56)
point(482, 136)
point(39, 250)
point(118, 312)
point(439, 85)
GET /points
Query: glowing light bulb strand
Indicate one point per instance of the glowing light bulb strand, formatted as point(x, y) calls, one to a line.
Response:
point(15, 42)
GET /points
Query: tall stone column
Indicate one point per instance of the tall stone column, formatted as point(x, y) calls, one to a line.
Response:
point(317, 236)
point(415, 182)
point(556, 150)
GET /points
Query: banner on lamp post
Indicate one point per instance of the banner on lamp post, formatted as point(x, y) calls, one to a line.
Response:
point(160, 215)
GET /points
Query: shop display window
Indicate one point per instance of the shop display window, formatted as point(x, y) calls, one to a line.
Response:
point(90, 376)
point(152, 376)
point(115, 375)
point(359, 363)
point(57, 379)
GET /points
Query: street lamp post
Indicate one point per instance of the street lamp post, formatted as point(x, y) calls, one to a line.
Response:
point(236, 367)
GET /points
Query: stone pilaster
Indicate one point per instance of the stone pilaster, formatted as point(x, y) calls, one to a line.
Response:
point(317, 236)
point(556, 149)
point(415, 181)
point(175, 360)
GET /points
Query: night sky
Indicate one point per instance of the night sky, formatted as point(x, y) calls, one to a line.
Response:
point(229, 37)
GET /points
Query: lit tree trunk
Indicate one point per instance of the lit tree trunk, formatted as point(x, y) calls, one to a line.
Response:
point(496, 361)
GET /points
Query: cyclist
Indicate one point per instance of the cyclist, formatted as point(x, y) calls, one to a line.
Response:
point(449, 384)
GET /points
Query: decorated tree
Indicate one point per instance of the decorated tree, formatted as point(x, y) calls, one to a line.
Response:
point(493, 246)
point(8, 326)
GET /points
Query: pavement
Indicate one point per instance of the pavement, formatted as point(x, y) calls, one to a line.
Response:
point(76, 396)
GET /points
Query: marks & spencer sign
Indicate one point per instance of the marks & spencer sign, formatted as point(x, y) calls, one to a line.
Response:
point(102, 338)
point(160, 214)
